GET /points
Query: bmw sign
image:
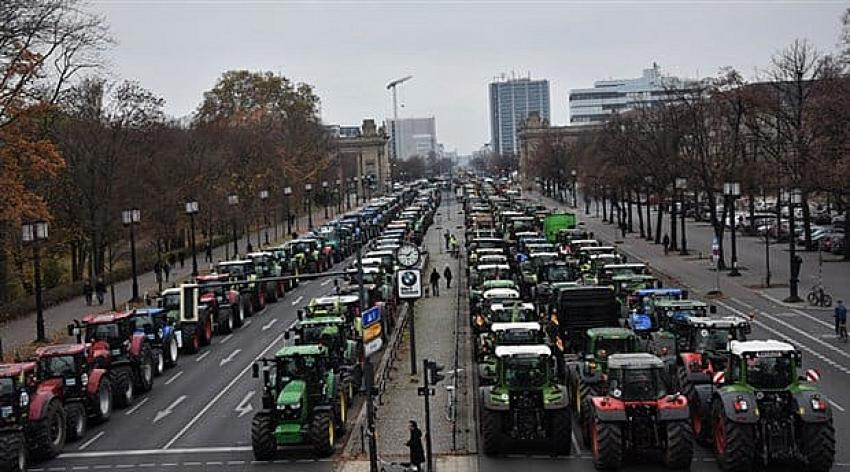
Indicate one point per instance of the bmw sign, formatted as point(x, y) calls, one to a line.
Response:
point(409, 284)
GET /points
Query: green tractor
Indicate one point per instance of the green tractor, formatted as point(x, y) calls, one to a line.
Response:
point(526, 404)
point(763, 410)
point(503, 334)
point(302, 402)
point(345, 348)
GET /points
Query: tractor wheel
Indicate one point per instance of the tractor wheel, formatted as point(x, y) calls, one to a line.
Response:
point(122, 382)
point(145, 370)
point(102, 401)
point(271, 296)
point(680, 445)
point(342, 409)
point(734, 443)
point(491, 431)
point(249, 307)
point(47, 435)
point(560, 431)
point(585, 421)
point(172, 352)
point(13, 452)
point(207, 331)
point(238, 314)
point(76, 421)
point(685, 387)
point(262, 437)
point(819, 446)
point(226, 325)
point(322, 434)
point(607, 445)
point(261, 299)
point(158, 362)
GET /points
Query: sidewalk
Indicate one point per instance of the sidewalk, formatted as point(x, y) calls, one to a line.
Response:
point(21, 331)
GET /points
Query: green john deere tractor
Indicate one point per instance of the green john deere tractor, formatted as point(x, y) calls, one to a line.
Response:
point(302, 402)
point(527, 404)
point(763, 410)
point(345, 348)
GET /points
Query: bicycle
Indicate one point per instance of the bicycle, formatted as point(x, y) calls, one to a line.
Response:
point(818, 297)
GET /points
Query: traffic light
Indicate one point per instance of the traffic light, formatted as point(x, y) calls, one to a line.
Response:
point(435, 372)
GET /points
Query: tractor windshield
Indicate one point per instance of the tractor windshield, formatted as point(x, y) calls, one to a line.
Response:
point(171, 301)
point(638, 384)
point(522, 372)
point(234, 270)
point(59, 366)
point(7, 391)
point(716, 339)
point(769, 372)
point(102, 332)
point(607, 346)
point(559, 274)
point(517, 315)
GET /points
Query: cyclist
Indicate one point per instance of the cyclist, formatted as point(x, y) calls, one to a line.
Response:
point(841, 320)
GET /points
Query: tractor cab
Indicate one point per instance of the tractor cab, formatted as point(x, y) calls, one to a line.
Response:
point(344, 306)
point(67, 362)
point(332, 332)
point(17, 388)
point(626, 284)
point(672, 315)
point(108, 333)
point(636, 377)
point(641, 301)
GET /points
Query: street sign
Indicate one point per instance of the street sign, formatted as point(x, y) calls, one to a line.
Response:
point(425, 391)
point(371, 316)
point(372, 346)
point(409, 284)
point(371, 333)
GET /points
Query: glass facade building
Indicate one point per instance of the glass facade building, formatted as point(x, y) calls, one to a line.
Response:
point(511, 101)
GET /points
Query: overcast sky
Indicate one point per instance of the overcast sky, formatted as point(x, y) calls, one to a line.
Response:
point(349, 50)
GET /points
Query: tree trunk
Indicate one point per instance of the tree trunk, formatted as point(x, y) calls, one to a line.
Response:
point(659, 222)
point(640, 216)
point(631, 219)
point(807, 222)
point(604, 208)
point(718, 227)
point(74, 250)
point(648, 218)
point(752, 214)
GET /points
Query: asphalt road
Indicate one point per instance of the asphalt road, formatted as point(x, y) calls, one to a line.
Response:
point(198, 415)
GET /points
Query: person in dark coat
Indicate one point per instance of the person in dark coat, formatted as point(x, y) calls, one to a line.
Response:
point(417, 453)
point(435, 282)
point(447, 274)
point(88, 290)
point(100, 290)
point(209, 252)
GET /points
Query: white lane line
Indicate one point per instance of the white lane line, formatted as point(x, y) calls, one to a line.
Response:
point(136, 406)
point(269, 324)
point(326, 282)
point(220, 394)
point(90, 441)
point(743, 303)
point(837, 406)
point(815, 319)
point(298, 300)
point(244, 407)
point(170, 409)
point(246, 323)
point(173, 378)
point(226, 338)
point(229, 359)
point(153, 452)
point(202, 356)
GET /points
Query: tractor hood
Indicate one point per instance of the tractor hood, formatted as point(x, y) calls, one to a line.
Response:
point(292, 393)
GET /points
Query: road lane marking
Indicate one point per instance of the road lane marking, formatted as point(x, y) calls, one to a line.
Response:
point(836, 405)
point(298, 300)
point(226, 338)
point(90, 441)
point(152, 452)
point(229, 359)
point(202, 356)
point(170, 409)
point(326, 282)
point(246, 323)
point(136, 406)
point(220, 394)
point(269, 324)
point(244, 407)
point(173, 378)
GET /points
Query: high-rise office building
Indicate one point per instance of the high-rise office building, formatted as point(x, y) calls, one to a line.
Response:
point(412, 136)
point(511, 101)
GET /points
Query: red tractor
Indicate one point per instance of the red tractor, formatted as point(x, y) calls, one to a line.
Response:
point(638, 416)
point(84, 389)
point(32, 417)
point(117, 347)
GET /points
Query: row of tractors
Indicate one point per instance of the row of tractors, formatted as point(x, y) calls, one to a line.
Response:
point(568, 331)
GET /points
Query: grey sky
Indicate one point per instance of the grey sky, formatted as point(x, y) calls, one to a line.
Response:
point(349, 50)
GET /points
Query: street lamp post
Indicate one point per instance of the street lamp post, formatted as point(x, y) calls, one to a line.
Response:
point(681, 185)
point(308, 189)
point(233, 200)
point(131, 218)
point(794, 199)
point(33, 233)
point(264, 198)
point(192, 210)
point(573, 173)
point(338, 196)
point(287, 195)
point(325, 197)
point(732, 190)
point(648, 180)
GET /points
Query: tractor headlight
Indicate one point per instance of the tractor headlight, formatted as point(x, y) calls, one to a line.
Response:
point(295, 406)
point(84, 379)
point(25, 399)
point(282, 407)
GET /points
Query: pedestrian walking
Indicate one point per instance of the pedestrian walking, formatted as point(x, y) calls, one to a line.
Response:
point(666, 242)
point(417, 452)
point(623, 229)
point(454, 245)
point(166, 269)
point(840, 314)
point(435, 282)
point(87, 291)
point(447, 274)
point(182, 257)
point(157, 271)
point(447, 236)
point(209, 252)
point(100, 290)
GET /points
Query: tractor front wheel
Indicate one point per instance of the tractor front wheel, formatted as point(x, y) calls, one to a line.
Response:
point(560, 431)
point(47, 435)
point(262, 437)
point(607, 444)
point(158, 362)
point(819, 446)
point(145, 370)
point(226, 325)
point(322, 434)
point(491, 431)
point(685, 387)
point(122, 379)
point(207, 331)
point(77, 421)
point(734, 443)
point(102, 401)
point(680, 445)
point(13, 452)
point(173, 352)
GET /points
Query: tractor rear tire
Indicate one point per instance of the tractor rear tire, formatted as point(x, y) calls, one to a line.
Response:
point(47, 435)
point(102, 401)
point(158, 362)
point(819, 446)
point(680, 445)
point(607, 445)
point(13, 452)
point(227, 324)
point(342, 409)
point(491, 431)
point(734, 443)
point(262, 437)
point(322, 434)
point(77, 421)
point(172, 352)
point(560, 431)
point(206, 332)
point(122, 381)
point(685, 387)
point(238, 315)
point(145, 370)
